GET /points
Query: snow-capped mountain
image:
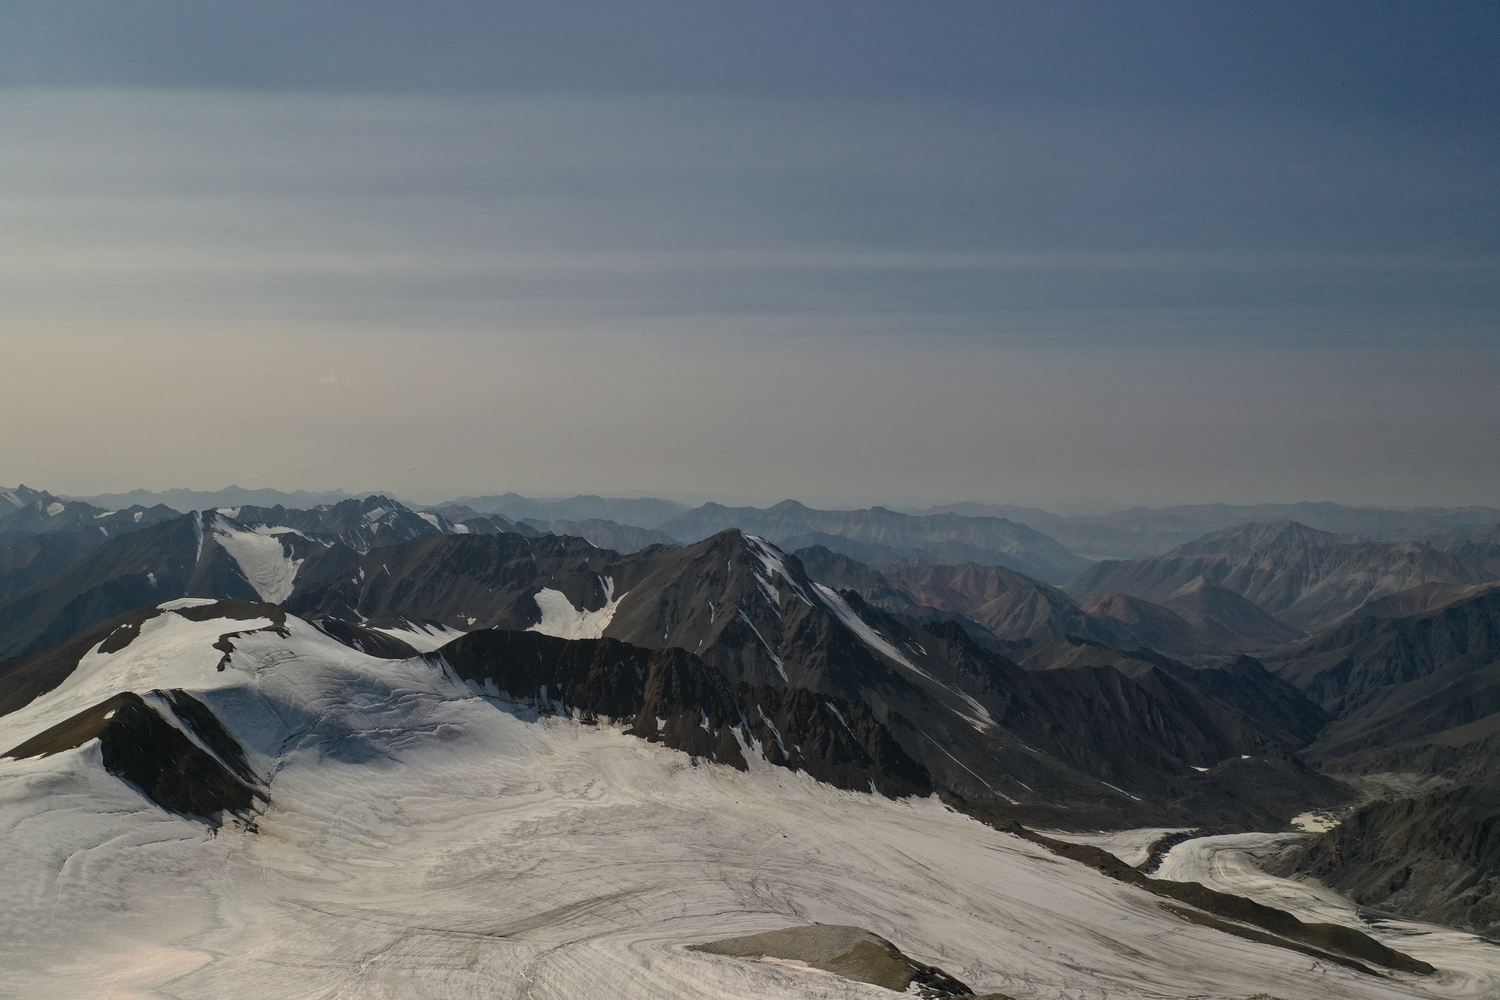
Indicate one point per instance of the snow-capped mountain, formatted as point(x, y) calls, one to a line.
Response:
point(61, 580)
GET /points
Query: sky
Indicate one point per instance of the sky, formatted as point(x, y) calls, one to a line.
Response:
point(1073, 255)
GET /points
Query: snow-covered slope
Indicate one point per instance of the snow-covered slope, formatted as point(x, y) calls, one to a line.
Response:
point(424, 840)
point(265, 561)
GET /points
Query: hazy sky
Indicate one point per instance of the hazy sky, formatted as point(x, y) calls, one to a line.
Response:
point(1050, 253)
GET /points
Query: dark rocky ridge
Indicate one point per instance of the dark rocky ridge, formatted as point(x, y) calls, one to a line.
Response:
point(45, 537)
point(1085, 745)
point(1235, 914)
point(139, 746)
point(1418, 696)
point(674, 698)
point(169, 560)
point(1345, 665)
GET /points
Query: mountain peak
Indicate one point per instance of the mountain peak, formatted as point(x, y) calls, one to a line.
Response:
point(1254, 536)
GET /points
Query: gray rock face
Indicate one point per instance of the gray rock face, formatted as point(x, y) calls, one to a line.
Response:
point(140, 746)
point(672, 697)
point(1416, 672)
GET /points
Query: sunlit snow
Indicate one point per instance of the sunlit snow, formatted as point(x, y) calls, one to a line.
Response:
point(424, 841)
point(261, 557)
point(561, 619)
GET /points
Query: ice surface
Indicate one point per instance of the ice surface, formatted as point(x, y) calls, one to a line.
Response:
point(1466, 963)
point(561, 619)
point(261, 557)
point(423, 841)
point(185, 602)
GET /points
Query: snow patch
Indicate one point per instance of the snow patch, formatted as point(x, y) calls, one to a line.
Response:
point(1317, 821)
point(561, 619)
point(424, 637)
point(262, 558)
point(185, 602)
point(771, 560)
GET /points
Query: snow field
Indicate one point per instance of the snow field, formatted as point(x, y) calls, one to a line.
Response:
point(262, 558)
point(561, 619)
point(427, 842)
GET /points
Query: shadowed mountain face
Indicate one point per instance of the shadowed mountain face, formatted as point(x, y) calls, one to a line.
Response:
point(1225, 619)
point(1305, 578)
point(1154, 626)
point(672, 697)
point(28, 558)
point(1416, 693)
point(880, 535)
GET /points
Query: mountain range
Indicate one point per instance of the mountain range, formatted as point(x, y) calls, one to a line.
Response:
point(1304, 577)
point(1124, 698)
point(1146, 531)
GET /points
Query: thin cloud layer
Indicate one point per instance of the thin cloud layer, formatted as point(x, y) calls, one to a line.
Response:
point(1014, 288)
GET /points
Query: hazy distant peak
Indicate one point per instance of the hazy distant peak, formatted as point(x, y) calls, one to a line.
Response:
point(1257, 536)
